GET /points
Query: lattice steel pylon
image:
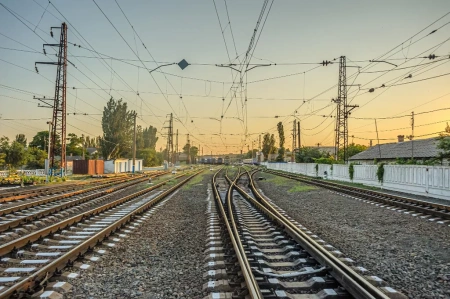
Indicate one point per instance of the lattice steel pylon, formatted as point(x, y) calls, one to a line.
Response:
point(58, 133)
point(342, 112)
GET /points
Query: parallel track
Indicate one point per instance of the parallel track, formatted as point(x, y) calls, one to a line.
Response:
point(34, 258)
point(440, 211)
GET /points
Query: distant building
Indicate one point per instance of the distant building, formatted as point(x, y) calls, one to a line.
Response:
point(423, 149)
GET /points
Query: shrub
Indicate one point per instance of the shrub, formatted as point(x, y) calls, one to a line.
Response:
point(380, 172)
point(351, 171)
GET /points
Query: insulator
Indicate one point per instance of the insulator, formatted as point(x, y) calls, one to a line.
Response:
point(37, 71)
point(431, 56)
point(45, 53)
point(51, 33)
point(372, 90)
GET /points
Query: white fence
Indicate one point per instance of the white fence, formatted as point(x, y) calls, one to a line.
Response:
point(27, 172)
point(433, 181)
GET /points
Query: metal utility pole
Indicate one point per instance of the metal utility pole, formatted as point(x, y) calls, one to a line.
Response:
point(176, 147)
point(259, 149)
point(169, 147)
point(378, 139)
point(342, 111)
point(134, 143)
point(59, 101)
point(412, 135)
point(188, 150)
point(298, 135)
point(47, 166)
point(294, 141)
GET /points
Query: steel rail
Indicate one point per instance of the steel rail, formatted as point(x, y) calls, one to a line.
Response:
point(31, 204)
point(354, 283)
point(79, 250)
point(52, 189)
point(32, 237)
point(16, 222)
point(252, 285)
point(435, 209)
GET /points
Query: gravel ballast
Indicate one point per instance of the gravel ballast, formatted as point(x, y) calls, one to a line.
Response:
point(163, 259)
point(411, 254)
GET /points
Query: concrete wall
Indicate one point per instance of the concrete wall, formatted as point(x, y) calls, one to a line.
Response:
point(433, 181)
point(27, 172)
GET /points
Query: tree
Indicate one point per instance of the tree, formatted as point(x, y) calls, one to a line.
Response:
point(352, 150)
point(2, 159)
point(149, 137)
point(193, 153)
point(310, 155)
point(250, 154)
point(268, 146)
point(444, 144)
point(149, 156)
point(36, 158)
point(75, 145)
point(21, 139)
point(139, 138)
point(118, 125)
point(281, 150)
point(16, 155)
point(40, 140)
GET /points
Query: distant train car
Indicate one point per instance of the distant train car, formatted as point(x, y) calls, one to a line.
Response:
point(213, 160)
point(208, 161)
point(226, 161)
point(220, 161)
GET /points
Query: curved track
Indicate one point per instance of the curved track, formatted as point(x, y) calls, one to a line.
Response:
point(277, 258)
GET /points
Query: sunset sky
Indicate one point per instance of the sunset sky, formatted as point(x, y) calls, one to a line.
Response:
point(297, 36)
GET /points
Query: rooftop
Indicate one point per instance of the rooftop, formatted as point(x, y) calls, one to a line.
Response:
point(423, 148)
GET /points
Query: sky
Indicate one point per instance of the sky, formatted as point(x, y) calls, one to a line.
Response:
point(287, 83)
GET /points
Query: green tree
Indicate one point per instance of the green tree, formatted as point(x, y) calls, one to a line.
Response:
point(118, 125)
point(352, 150)
point(2, 159)
point(444, 144)
point(16, 155)
point(310, 155)
point(36, 158)
point(40, 140)
point(21, 139)
point(75, 145)
point(193, 153)
point(281, 149)
point(149, 157)
point(139, 138)
point(149, 137)
point(251, 154)
point(268, 145)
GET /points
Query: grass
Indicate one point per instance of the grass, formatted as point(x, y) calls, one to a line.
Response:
point(195, 180)
point(295, 186)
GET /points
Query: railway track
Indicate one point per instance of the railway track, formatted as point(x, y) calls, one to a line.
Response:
point(34, 264)
point(27, 192)
point(439, 213)
point(27, 220)
point(255, 250)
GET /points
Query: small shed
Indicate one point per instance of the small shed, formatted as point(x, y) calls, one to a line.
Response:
point(122, 165)
point(88, 167)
